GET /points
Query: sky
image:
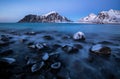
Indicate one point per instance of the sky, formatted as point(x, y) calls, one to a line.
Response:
point(14, 10)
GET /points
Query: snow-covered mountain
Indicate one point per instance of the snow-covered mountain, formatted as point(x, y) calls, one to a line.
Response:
point(88, 18)
point(49, 17)
point(104, 17)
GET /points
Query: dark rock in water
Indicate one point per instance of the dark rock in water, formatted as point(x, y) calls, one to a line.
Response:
point(48, 37)
point(70, 49)
point(3, 43)
point(23, 40)
point(32, 46)
point(78, 46)
point(55, 46)
point(100, 49)
point(41, 46)
point(45, 56)
point(66, 37)
point(36, 67)
point(8, 60)
point(32, 61)
point(79, 36)
point(4, 38)
point(6, 52)
point(105, 42)
point(56, 65)
point(30, 33)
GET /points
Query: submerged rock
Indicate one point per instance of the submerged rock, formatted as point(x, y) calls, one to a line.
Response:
point(70, 49)
point(56, 65)
point(100, 49)
point(4, 38)
point(45, 56)
point(23, 40)
point(30, 33)
point(55, 46)
point(36, 67)
point(48, 37)
point(6, 52)
point(41, 46)
point(78, 46)
point(79, 36)
point(8, 60)
point(32, 46)
point(3, 43)
point(32, 61)
point(65, 37)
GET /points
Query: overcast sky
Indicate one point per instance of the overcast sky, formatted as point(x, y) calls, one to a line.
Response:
point(14, 10)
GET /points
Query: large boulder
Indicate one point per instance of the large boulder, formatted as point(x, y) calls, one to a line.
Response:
point(100, 49)
point(79, 36)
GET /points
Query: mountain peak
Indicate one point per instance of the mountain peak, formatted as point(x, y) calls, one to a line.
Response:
point(52, 12)
point(92, 14)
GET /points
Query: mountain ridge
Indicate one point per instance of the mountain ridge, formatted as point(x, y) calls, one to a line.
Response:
point(104, 17)
point(52, 16)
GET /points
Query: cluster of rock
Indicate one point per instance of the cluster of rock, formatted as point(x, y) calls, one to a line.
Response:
point(43, 58)
point(104, 17)
point(50, 17)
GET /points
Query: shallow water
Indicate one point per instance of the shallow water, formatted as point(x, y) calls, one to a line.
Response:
point(78, 65)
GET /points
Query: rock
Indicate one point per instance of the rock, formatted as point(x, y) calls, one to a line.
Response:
point(8, 60)
point(48, 37)
point(66, 37)
point(54, 53)
point(78, 46)
point(41, 46)
point(55, 46)
point(56, 65)
point(32, 46)
point(79, 36)
point(4, 38)
point(23, 40)
point(105, 42)
point(45, 56)
point(70, 49)
point(3, 43)
point(100, 49)
point(36, 67)
point(6, 52)
point(32, 61)
point(30, 33)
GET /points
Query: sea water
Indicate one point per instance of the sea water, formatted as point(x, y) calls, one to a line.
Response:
point(77, 64)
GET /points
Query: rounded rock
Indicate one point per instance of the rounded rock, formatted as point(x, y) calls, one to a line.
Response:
point(36, 67)
point(56, 65)
point(45, 57)
point(100, 49)
point(79, 36)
